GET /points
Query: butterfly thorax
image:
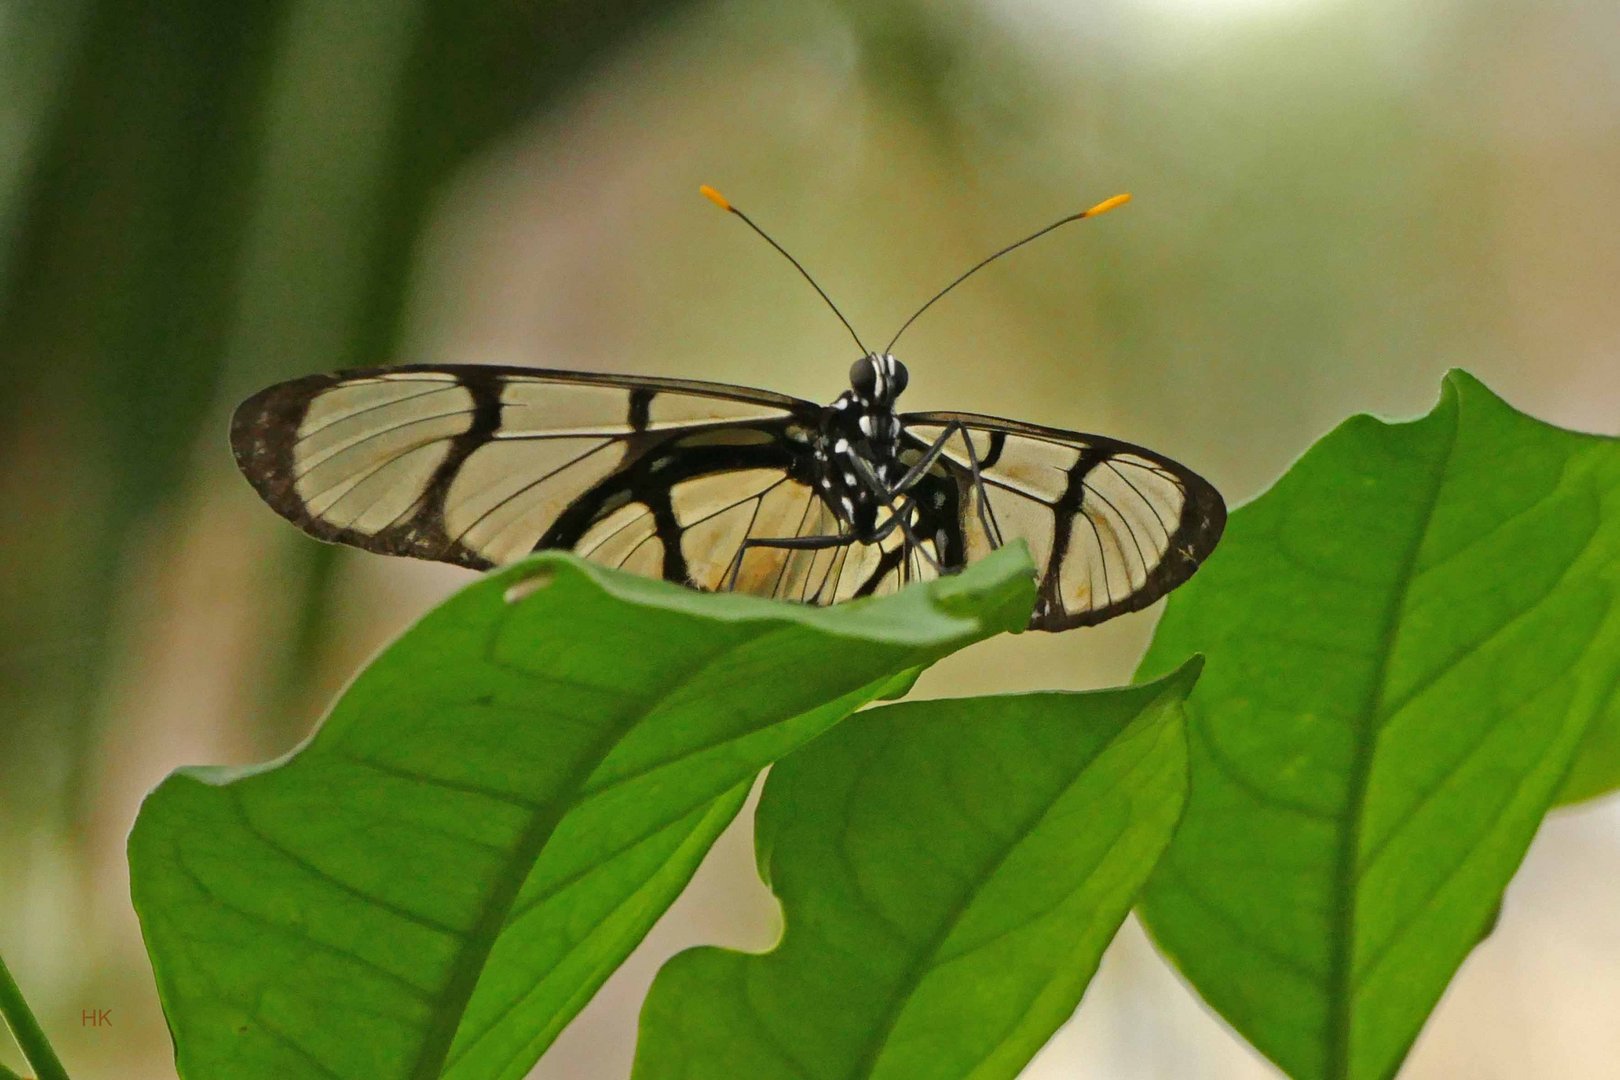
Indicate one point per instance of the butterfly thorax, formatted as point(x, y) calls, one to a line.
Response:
point(860, 437)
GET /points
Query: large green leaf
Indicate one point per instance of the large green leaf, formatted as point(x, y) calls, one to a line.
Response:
point(950, 873)
point(1407, 640)
point(495, 812)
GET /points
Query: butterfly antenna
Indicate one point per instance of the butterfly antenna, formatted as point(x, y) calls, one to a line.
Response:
point(1101, 208)
point(720, 201)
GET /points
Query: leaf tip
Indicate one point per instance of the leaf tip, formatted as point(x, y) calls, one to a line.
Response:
point(1459, 383)
point(1460, 387)
point(1181, 678)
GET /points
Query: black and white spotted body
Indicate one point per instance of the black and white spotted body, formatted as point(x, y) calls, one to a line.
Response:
point(861, 431)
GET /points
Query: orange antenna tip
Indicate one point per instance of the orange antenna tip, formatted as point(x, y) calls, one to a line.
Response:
point(1107, 205)
point(714, 196)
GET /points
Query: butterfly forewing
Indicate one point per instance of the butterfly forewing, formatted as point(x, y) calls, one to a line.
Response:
point(1111, 527)
point(481, 465)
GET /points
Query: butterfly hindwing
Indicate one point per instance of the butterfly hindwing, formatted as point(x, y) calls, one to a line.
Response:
point(479, 465)
point(729, 522)
point(1111, 526)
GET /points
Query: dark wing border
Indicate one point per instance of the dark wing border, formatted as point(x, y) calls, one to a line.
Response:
point(265, 427)
point(1203, 515)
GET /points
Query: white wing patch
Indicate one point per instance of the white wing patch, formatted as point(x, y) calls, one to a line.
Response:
point(614, 539)
point(686, 410)
point(352, 400)
point(553, 410)
point(647, 559)
point(710, 546)
point(361, 459)
point(508, 492)
point(1037, 468)
point(1125, 536)
point(703, 497)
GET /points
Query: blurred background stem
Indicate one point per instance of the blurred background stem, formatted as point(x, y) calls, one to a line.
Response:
point(25, 1029)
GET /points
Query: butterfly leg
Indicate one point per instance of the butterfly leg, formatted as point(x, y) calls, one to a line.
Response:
point(794, 543)
point(987, 516)
point(917, 471)
point(898, 512)
point(898, 518)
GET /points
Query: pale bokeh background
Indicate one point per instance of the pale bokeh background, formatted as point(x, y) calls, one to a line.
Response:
point(1335, 202)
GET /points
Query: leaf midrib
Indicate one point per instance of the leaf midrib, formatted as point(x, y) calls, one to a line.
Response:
point(914, 973)
point(1346, 867)
point(450, 1006)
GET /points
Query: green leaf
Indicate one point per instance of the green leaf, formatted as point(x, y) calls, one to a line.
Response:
point(1597, 767)
point(951, 872)
point(1406, 639)
point(496, 811)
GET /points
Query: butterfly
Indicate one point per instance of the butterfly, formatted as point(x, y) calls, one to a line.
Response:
point(724, 488)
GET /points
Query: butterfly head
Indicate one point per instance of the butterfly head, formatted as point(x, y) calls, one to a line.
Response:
point(877, 380)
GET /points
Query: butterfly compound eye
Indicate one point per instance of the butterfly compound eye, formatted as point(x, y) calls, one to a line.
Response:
point(863, 377)
point(898, 377)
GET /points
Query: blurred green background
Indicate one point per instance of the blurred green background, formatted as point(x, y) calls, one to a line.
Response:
point(1335, 202)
